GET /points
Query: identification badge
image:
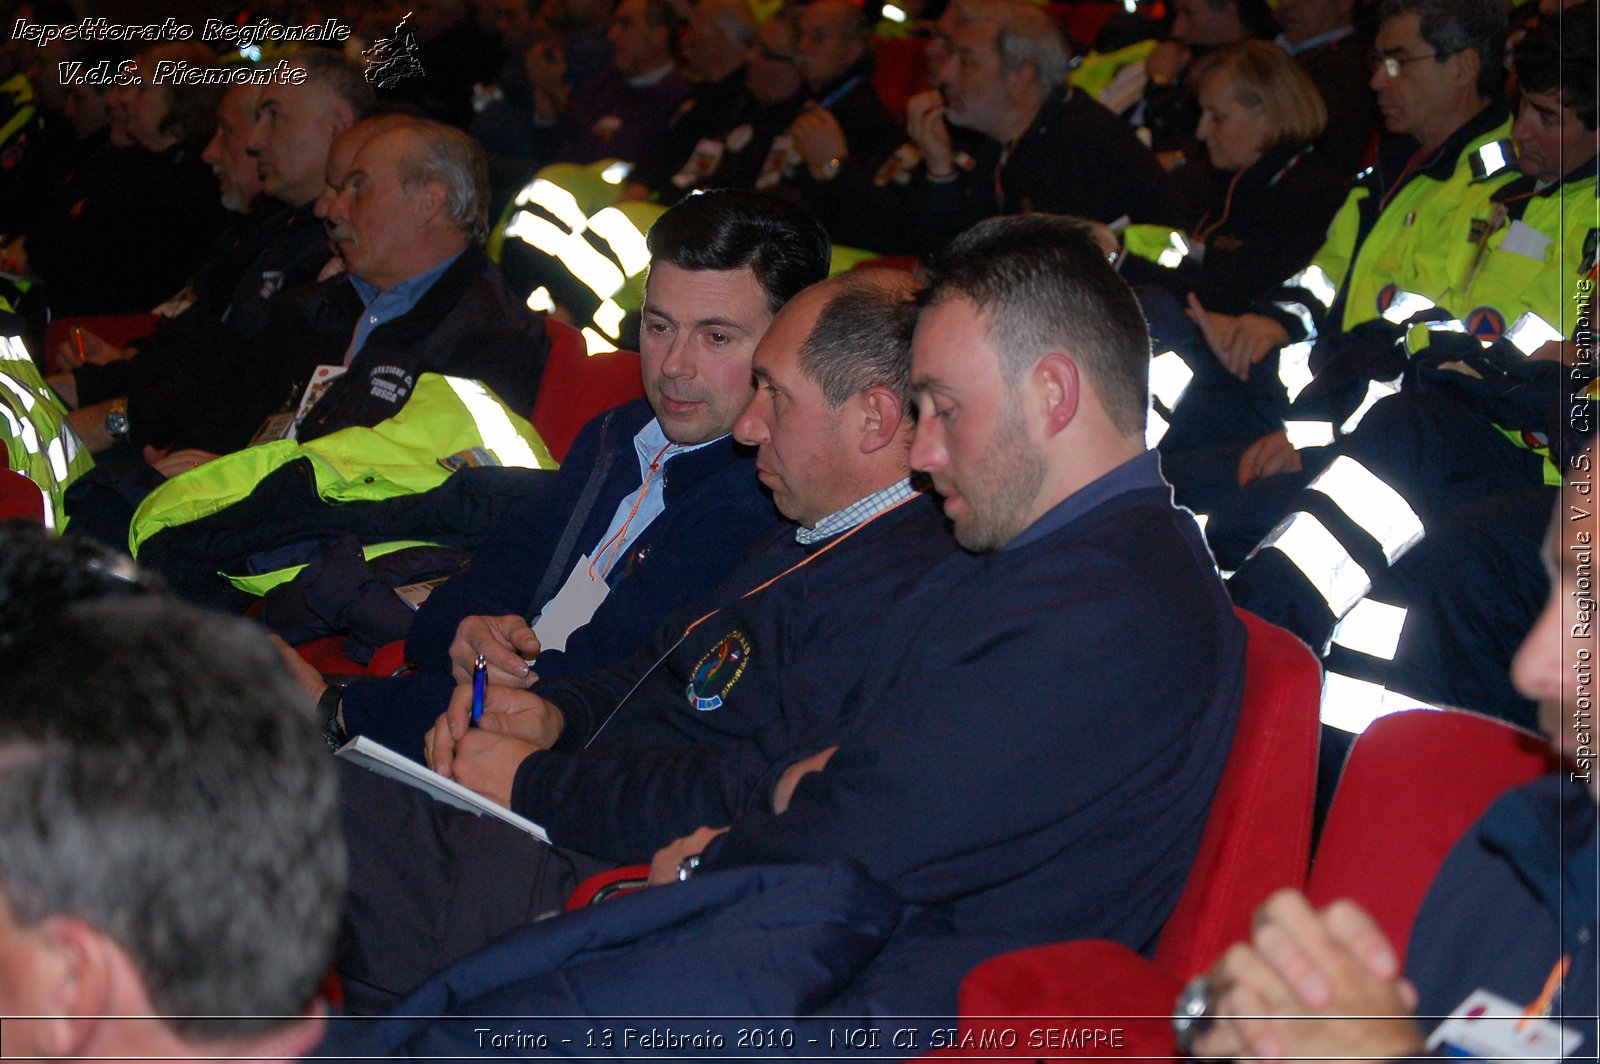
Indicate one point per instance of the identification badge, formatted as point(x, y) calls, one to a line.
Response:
point(1523, 239)
point(321, 378)
point(701, 165)
point(571, 608)
point(777, 161)
point(1488, 1027)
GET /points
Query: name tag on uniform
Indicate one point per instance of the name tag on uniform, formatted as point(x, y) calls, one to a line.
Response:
point(1524, 239)
point(571, 608)
point(1488, 1027)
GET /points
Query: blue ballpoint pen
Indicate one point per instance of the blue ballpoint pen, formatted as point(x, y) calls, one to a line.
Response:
point(479, 672)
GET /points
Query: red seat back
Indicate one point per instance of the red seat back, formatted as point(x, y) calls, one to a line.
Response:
point(115, 329)
point(21, 499)
point(1258, 836)
point(1413, 784)
point(899, 72)
point(578, 386)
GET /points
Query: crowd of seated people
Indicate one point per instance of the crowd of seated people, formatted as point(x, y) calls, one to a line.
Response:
point(1320, 276)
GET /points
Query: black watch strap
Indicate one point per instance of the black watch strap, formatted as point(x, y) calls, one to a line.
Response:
point(328, 707)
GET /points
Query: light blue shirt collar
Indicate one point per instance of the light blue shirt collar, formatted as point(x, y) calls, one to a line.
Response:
point(384, 306)
point(650, 443)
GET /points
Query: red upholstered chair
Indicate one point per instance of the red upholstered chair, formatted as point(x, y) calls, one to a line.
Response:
point(899, 72)
point(21, 499)
point(578, 386)
point(603, 886)
point(1256, 840)
point(1415, 781)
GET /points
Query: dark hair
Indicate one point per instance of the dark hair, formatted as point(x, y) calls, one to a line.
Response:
point(342, 77)
point(1558, 55)
point(191, 109)
point(862, 337)
point(784, 245)
point(660, 14)
point(1045, 284)
point(40, 573)
point(1451, 26)
point(158, 783)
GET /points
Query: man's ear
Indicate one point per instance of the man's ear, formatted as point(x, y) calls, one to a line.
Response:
point(882, 414)
point(1055, 376)
point(74, 977)
point(343, 118)
point(1468, 63)
point(430, 201)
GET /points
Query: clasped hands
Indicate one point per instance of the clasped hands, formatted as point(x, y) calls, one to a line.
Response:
point(1310, 985)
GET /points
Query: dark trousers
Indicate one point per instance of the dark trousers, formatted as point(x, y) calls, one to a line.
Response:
point(430, 884)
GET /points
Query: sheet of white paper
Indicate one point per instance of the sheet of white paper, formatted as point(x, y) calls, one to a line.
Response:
point(375, 757)
point(571, 608)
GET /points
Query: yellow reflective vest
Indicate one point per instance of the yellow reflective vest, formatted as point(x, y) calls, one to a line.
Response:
point(405, 454)
point(39, 443)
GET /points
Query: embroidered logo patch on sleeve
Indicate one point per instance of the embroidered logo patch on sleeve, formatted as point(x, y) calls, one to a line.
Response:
point(716, 673)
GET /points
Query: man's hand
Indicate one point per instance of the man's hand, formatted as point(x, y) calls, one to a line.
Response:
point(170, 463)
point(508, 711)
point(818, 138)
point(302, 670)
point(664, 865)
point(90, 424)
point(784, 791)
point(486, 761)
point(1269, 456)
point(503, 641)
point(1238, 342)
point(1311, 985)
point(95, 351)
point(926, 126)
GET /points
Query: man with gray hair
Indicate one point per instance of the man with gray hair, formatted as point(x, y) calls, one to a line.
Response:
point(1048, 146)
point(168, 833)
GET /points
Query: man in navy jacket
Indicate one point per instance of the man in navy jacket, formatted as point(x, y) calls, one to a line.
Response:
point(722, 266)
point(696, 726)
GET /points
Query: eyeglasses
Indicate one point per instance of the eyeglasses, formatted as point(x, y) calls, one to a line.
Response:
point(1393, 64)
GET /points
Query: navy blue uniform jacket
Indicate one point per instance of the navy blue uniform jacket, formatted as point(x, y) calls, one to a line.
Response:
point(761, 683)
point(715, 509)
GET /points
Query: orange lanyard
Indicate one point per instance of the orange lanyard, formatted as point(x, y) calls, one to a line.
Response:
point(803, 562)
point(614, 544)
point(1541, 1004)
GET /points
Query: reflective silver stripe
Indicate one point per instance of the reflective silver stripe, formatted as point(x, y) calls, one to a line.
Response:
point(1169, 376)
point(616, 173)
point(1494, 157)
point(1294, 368)
point(493, 425)
point(558, 201)
point(1404, 306)
point(1380, 510)
point(1315, 280)
point(1371, 627)
point(597, 272)
point(1351, 704)
point(56, 452)
point(1155, 427)
point(1303, 434)
point(1531, 332)
point(1175, 252)
point(1307, 322)
point(540, 301)
point(625, 239)
point(1376, 390)
point(608, 316)
point(1324, 562)
point(24, 395)
point(12, 347)
point(595, 344)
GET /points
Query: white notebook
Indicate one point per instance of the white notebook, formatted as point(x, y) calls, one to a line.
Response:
point(378, 758)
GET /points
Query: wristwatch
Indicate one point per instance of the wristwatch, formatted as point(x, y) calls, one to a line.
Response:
point(328, 707)
point(117, 420)
point(830, 169)
point(687, 866)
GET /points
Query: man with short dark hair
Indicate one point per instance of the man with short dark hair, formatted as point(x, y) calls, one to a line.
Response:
point(1321, 36)
point(723, 265)
point(168, 843)
point(700, 721)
